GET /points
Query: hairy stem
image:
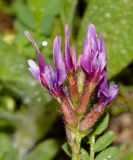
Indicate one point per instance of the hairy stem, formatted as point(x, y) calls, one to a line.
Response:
point(76, 146)
point(92, 142)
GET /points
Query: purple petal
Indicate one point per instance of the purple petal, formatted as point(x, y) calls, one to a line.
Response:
point(91, 36)
point(101, 61)
point(90, 45)
point(34, 69)
point(49, 76)
point(52, 76)
point(92, 30)
point(101, 75)
point(43, 81)
point(94, 62)
point(113, 92)
point(40, 57)
point(103, 100)
point(58, 60)
point(74, 56)
point(86, 56)
point(68, 58)
point(86, 60)
point(103, 92)
point(103, 86)
point(102, 45)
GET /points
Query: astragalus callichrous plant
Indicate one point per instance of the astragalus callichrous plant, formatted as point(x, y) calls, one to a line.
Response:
point(78, 84)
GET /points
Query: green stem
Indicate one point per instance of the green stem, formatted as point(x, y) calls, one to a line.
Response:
point(92, 142)
point(76, 147)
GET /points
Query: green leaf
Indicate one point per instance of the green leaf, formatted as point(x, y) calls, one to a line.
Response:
point(4, 143)
point(47, 24)
point(11, 154)
point(38, 8)
point(84, 154)
point(104, 141)
point(68, 12)
point(19, 26)
point(21, 41)
point(66, 148)
point(108, 154)
point(101, 124)
point(113, 19)
point(45, 150)
point(24, 14)
point(52, 9)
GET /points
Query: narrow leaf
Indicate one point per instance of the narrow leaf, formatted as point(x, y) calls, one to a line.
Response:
point(66, 149)
point(108, 154)
point(45, 150)
point(68, 12)
point(101, 124)
point(104, 141)
point(24, 13)
point(52, 9)
point(84, 154)
point(37, 7)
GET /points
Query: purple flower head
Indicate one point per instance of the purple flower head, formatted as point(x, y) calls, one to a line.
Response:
point(93, 58)
point(51, 78)
point(84, 76)
point(93, 61)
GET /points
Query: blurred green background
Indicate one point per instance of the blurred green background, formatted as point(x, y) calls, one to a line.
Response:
point(31, 126)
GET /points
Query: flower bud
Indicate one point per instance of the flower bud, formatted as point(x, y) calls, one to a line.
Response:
point(90, 119)
point(80, 80)
point(68, 112)
point(85, 98)
point(72, 83)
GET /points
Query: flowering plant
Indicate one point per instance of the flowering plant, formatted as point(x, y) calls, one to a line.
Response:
point(86, 94)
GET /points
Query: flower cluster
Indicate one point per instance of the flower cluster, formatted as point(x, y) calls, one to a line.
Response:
point(86, 94)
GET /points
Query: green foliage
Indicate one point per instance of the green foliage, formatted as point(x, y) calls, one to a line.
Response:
point(67, 14)
point(113, 19)
point(40, 21)
point(37, 16)
point(10, 154)
point(4, 143)
point(108, 154)
point(45, 150)
point(104, 141)
point(101, 125)
point(6, 151)
point(84, 154)
point(99, 142)
point(37, 7)
point(66, 149)
point(25, 16)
